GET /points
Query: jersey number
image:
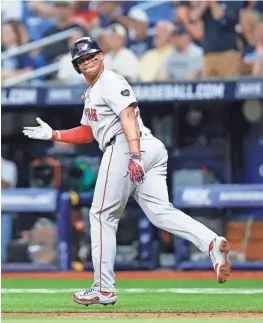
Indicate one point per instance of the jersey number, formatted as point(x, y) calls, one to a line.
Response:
point(92, 114)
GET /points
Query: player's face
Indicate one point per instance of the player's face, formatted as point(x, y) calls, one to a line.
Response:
point(90, 65)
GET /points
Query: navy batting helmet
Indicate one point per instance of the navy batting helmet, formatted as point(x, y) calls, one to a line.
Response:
point(83, 46)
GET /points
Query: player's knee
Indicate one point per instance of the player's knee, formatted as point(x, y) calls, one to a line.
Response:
point(158, 220)
point(94, 215)
point(161, 217)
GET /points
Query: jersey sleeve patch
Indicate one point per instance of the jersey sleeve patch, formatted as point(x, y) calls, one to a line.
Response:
point(125, 92)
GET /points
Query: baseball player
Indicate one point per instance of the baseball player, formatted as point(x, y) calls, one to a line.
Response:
point(134, 163)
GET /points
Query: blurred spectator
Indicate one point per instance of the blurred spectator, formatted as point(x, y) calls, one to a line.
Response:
point(108, 11)
point(14, 34)
point(152, 61)
point(38, 16)
point(254, 60)
point(43, 8)
point(248, 21)
point(66, 72)
point(41, 240)
point(112, 11)
point(62, 13)
point(258, 66)
point(254, 5)
point(119, 58)
point(35, 55)
point(182, 11)
point(136, 22)
point(222, 58)
point(185, 62)
point(8, 180)
point(102, 40)
point(83, 15)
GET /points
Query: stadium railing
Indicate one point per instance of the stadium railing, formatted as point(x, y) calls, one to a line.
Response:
point(48, 200)
point(51, 201)
point(48, 69)
point(36, 44)
point(216, 196)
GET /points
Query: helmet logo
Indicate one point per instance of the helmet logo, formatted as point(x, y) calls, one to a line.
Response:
point(82, 46)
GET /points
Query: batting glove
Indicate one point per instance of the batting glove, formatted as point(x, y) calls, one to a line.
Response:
point(42, 132)
point(136, 170)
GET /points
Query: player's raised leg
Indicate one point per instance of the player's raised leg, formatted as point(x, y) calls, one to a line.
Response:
point(110, 198)
point(153, 198)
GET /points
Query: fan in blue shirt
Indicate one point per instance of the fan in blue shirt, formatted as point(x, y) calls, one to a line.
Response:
point(14, 34)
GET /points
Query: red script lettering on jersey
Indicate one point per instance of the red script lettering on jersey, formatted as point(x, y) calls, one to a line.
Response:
point(92, 114)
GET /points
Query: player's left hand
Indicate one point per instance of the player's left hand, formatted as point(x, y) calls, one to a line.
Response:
point(42, 132)
point(136, 170)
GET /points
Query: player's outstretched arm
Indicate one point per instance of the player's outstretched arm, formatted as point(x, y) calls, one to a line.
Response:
point(79, 135)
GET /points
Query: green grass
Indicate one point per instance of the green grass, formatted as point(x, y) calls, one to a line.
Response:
point(124, 283)
point(135, 303)
point(130, 320)
point(132, 302)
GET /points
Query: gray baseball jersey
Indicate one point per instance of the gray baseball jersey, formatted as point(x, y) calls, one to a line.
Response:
point(104, 102)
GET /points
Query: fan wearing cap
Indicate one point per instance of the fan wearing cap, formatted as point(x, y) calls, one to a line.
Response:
point(120, 59)
point(185, 62)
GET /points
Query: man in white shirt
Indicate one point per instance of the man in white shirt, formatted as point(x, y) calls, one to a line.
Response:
point(120, 59)
point(185, 62)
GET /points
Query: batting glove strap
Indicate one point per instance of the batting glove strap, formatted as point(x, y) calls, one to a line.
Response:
point(56, 135)
point(136, 170)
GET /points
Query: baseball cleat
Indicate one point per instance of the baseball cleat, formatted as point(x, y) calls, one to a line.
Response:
point(92, 296)
point(218, 252)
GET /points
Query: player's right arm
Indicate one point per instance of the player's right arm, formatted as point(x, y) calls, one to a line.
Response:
point(79, 135)
point(120, 97)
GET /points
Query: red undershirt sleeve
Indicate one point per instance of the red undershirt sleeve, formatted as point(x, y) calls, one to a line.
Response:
point(79, 135)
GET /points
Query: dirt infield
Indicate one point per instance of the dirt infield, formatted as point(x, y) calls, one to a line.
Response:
point(136, 275)
point(146, 315)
